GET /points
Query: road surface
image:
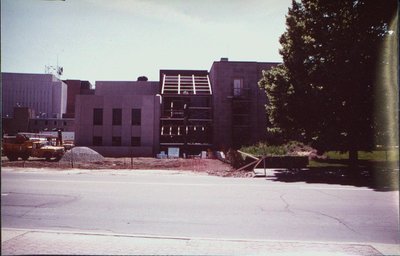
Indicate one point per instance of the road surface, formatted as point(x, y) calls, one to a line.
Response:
point(157, 203)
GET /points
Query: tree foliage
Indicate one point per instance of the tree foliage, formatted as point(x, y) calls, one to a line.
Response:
point(324, 92)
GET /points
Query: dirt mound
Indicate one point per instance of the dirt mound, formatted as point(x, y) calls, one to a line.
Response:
point(82, 154)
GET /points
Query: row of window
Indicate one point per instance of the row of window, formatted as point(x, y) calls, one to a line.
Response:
point(136, 116)
point(116, 141)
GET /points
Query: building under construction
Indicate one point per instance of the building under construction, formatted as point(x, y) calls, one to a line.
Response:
point(193, 110)
point(186, 110)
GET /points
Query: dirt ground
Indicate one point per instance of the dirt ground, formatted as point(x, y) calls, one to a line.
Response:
point(209, 166)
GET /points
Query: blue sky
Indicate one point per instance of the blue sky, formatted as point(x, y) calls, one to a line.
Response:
point(123, 39)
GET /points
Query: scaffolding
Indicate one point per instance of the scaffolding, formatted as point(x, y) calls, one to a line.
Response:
point(186, 115)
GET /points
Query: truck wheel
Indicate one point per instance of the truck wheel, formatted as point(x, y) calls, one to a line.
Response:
point(47, 156)
point(25, 157)
point(12, 157)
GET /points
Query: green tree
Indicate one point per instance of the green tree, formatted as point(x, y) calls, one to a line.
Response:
point(279, 90)
point(324, 92)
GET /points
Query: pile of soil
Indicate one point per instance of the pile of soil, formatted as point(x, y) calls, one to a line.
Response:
point(82, 155)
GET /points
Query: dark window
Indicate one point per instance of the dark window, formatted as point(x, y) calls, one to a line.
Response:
point(46, 122)
point(36, 122)
point(97, 141)
point(136, 116)
point(116, 141)
point(65, 123)
point(135, 141)
point(98, 116)
point(117, 116)
point(237, 87)
point(55, 122)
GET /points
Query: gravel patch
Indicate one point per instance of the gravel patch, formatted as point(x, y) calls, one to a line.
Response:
point(82, 154)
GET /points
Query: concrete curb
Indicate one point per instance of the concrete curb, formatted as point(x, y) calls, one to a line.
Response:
point(33, 241)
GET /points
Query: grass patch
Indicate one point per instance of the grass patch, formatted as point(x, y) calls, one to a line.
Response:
point(326, 163)
point(376, 158)
point(376, 155)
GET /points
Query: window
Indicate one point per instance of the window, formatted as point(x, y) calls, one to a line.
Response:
point(136, 116)
point(65, 123)
point(97, 141)
point(237, 87)
point(135, 141)
point(117, 116)
point(98, 116)
point(46, 122)
point(116, 141)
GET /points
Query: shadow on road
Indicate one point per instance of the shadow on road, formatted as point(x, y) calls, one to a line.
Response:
point(379, 180)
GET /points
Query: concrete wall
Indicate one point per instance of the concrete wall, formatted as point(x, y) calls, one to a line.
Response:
point(127, 88)
point(110, 95)
point(74, 88)
point(222, 75)
point(43, 93)
point(124, 151)
point(59, 98)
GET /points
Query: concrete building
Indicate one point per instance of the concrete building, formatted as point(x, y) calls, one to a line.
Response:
point(120, 119)
point(74, 88)
point(43, 93)
point(193, 110)
point(238, 103)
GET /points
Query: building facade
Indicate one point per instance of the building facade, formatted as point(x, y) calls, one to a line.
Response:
point(45, 94)
point(238, 103)
point(193, 110)
point(120, 119)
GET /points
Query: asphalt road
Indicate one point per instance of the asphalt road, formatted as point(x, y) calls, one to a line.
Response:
point(197, 206)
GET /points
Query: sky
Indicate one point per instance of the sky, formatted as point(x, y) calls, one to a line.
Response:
point(120, 40)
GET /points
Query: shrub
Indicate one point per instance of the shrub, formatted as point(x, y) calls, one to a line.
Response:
point(262, 149)
point(292, 148)
point(234, 158)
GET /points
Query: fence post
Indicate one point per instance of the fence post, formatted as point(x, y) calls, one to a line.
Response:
point(72, 158)
point(265, 170)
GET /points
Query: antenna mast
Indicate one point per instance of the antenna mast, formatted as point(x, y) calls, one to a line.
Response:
point(57, 71)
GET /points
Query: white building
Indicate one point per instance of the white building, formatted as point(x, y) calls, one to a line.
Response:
point(44, 93)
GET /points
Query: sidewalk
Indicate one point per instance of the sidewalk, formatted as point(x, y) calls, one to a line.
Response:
point(17, 242)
